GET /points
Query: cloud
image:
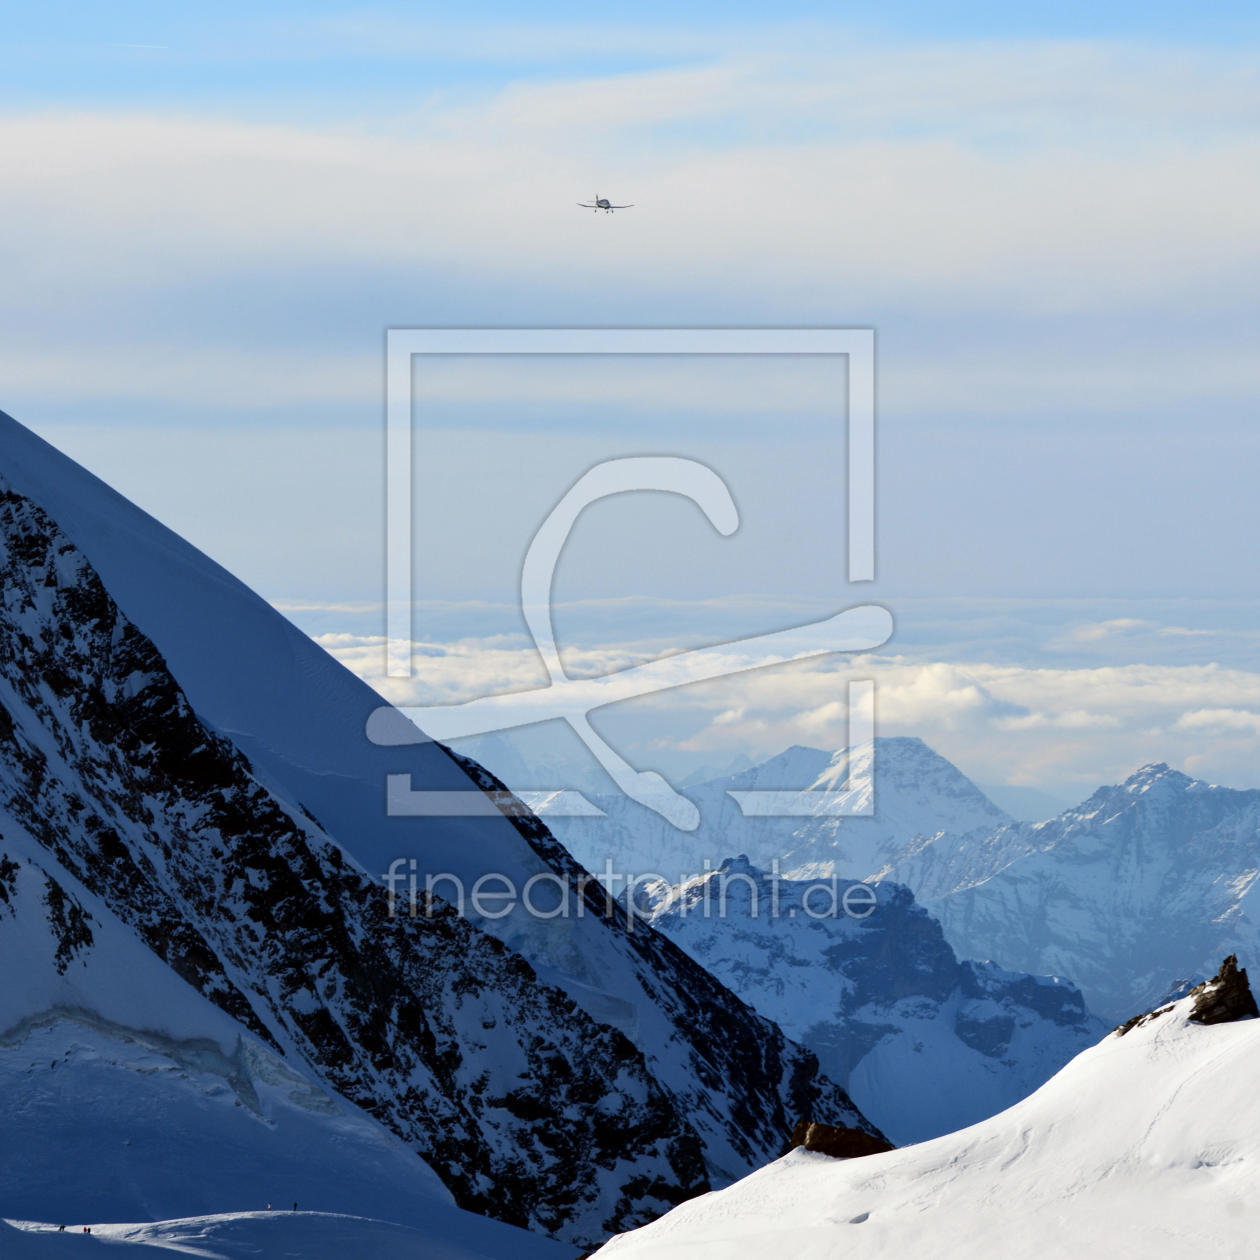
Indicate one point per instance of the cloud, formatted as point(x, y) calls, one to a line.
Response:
point(1219, 720)
point(940, 182)
point(1092, 631)
point(1069, 720)
point(1063, 729)
point(216, 376)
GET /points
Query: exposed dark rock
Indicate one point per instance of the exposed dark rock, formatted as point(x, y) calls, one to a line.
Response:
point(989, 1036)
point(729, 1044)
point(1221, 1000)
point(69, 922)
point(1225, 998)
point(8, 878)
point(838, 1140)
point(1138, 1020)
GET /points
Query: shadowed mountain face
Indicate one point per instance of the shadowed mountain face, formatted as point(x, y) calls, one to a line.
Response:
point(439, 1031)
point(199, 774)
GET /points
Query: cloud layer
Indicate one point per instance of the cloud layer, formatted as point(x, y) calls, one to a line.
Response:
point(1019, 197)
point(1063, 729)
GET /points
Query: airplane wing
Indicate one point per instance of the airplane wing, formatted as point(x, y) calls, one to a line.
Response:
point(586, 205)
point(628, 207)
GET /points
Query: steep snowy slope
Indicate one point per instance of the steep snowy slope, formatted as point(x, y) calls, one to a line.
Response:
point(916, 793)
point(134, 674)
point(1145, 1147)
point(1154, 878)
point(124, 1093)
point(432, 1026)
point(863, 976)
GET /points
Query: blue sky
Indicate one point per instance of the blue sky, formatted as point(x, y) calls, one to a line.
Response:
point(1047, 213)
point(341, 61)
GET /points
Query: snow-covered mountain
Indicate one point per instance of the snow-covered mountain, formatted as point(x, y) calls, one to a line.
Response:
point(1150, 879)
point(917, 794)
point(187, 769)
point(1146, 1145)
point(863, 976)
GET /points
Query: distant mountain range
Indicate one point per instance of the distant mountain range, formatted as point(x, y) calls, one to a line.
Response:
point(924, 1042)
point(1144, 881)
point(917, 794)
point(1148, 880)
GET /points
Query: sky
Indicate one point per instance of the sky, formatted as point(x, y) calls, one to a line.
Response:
point(1046, 212)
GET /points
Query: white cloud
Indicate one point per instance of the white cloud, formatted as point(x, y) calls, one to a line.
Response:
point(1064, 729)
point(1092, 631)
point(1219, 720)
point(1048, 180)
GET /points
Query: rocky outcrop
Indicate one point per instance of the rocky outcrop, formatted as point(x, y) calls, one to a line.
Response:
point(1139, 1021)
point(838, 1140)
point(1225, 998)
point(1222, 1000)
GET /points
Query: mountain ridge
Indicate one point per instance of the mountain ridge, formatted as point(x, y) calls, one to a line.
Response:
point(281, 918)
point(916, 793)
point(1151, 877)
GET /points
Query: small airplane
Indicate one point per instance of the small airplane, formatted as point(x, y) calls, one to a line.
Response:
point(602, 203)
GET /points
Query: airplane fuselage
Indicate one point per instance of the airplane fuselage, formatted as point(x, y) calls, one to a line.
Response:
point(602, 203)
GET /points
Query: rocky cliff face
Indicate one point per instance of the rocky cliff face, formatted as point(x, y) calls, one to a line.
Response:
point(125, 1094)
point(570, 1076)
point(863, 975)
point(529, 1109)
point(1226, 998)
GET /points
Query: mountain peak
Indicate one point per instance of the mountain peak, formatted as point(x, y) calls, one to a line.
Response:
point(907, 745)
point(1156, 773)
point(803, 750)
